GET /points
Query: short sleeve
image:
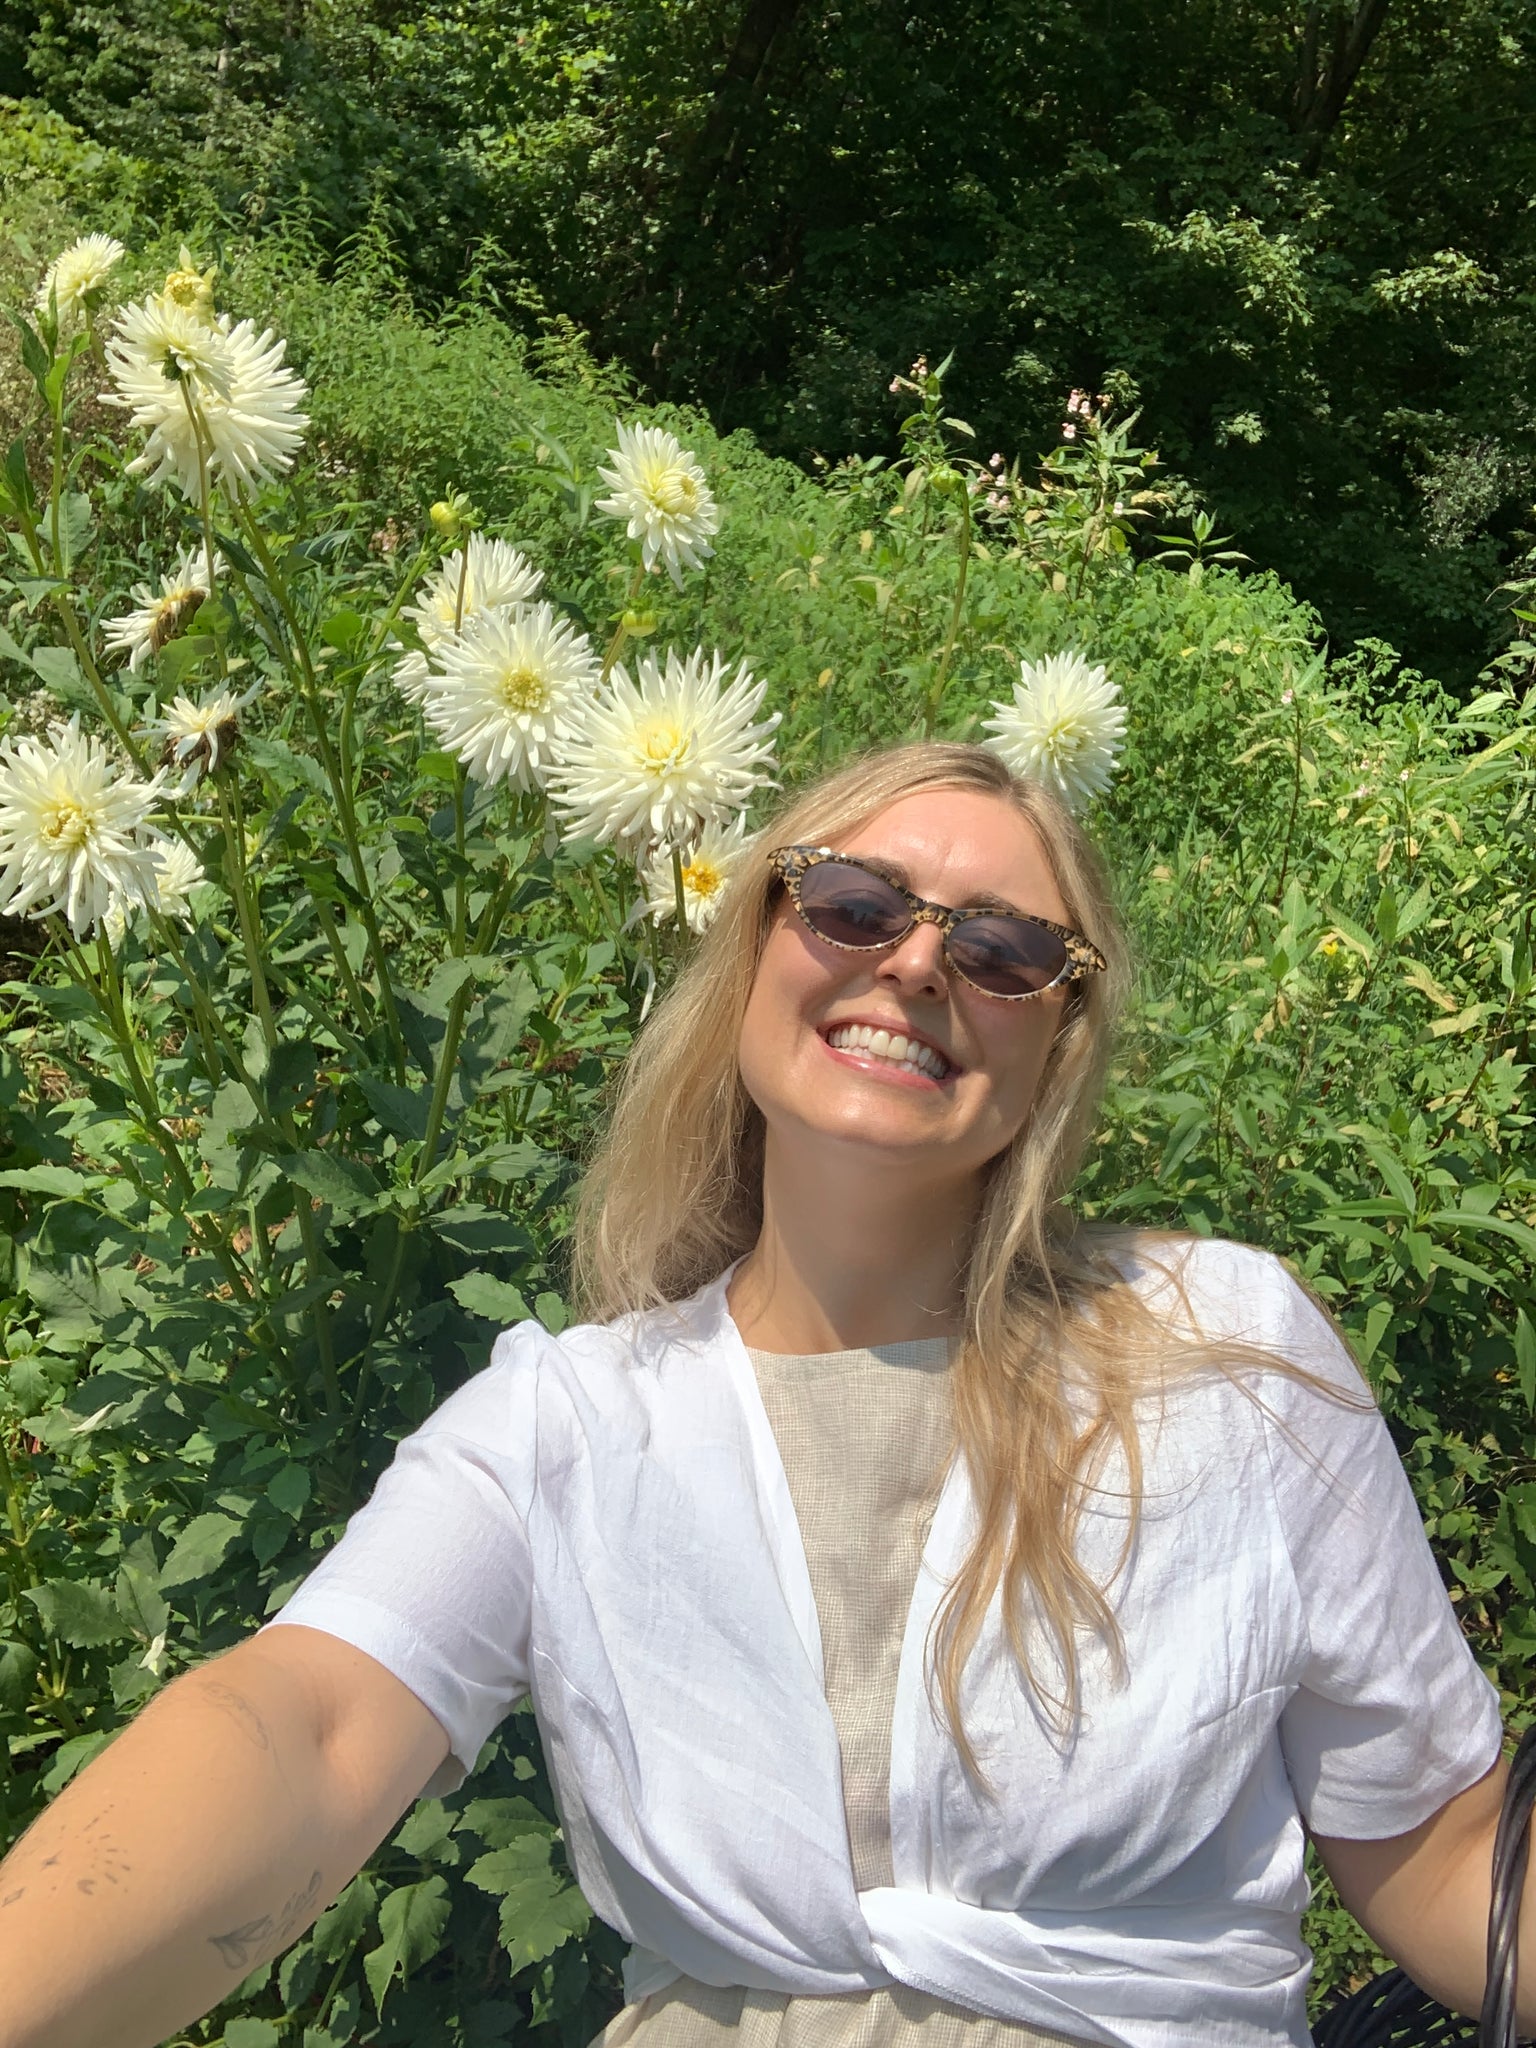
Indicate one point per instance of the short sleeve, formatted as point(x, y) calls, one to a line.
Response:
point(1392, 1716)
point(432, 1576)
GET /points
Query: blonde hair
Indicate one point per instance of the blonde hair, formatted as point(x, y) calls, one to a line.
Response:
point(674, 1195)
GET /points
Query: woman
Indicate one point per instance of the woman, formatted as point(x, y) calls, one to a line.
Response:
point(941, 1622)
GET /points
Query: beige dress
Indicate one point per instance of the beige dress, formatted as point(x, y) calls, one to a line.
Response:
point(865, 1438)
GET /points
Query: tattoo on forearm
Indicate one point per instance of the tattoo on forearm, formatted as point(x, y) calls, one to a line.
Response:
point(239, 1708)
point(97, 1853)
point(242, 1946)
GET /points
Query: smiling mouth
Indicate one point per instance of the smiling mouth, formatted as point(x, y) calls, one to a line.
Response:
point(909, 1053)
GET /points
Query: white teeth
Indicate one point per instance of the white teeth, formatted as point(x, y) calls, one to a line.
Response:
point(894, 1046)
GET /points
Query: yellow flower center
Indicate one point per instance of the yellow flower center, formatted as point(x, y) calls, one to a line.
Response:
point(191, 289)
point(701, 877)
point(523, 689)
point(663, 744)
point(674, 492)
point(67, 827)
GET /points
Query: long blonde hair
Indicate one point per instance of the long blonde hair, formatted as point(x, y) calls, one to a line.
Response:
point(674, 1194)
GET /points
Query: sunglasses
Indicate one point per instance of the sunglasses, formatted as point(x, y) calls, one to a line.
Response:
point(847, 903)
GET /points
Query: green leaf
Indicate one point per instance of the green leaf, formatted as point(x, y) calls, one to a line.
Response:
point(540, 1910)
point(497, 1023)
point(176, 661)
point(284, 764)
point(402, 1111)
point(252, 2033)
point(79, 1612)
point(18, 1669)
point(346, 1184)
point(342, 628)
point(500, 1821)
point(73, 1756)
point(18, 481)
point(48, 1180)
point(411, 1922)
point(1525, 1358)
point(288, 1490)
point(342, 1926)
point(428, 1832)
point(139, 1599)
point(484, 1295)
point(199, 1550)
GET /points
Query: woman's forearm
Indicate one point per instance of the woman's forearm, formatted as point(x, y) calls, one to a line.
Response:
point(199, 1844)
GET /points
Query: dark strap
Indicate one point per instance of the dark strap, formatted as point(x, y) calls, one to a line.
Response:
point(1511, 1853)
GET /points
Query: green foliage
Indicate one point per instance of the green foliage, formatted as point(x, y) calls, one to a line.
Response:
point(271, 1182)
point(1316, 280)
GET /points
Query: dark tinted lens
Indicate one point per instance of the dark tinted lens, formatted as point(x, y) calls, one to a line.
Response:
point(1006, 955)
point(851, 908)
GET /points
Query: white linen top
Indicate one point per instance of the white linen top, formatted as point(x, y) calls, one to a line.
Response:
point(603, 1519)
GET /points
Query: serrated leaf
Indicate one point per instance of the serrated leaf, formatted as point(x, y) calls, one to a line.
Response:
point(411, 1921)
point(402, 1111)
point(500, 1821)
point(18, 1668)
point(497, 1023)
point(427, 1831)
point(484, 1295)
point(79, 1612)
point(252, 2033)
point(342, 1926)
point(540, 1910)
point(288, 1490)
point(345, 1183)
point(284, 763)
point(139, 1599)
point(199, 1550)
point(47, 1180)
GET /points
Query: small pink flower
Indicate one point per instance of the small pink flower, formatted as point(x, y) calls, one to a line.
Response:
point(1068, 431)
point(1286, 696)
point(997, 462)
point(895, 386)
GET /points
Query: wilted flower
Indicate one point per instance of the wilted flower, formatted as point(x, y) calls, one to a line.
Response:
point(497, 575)
point(73, 836)
point(163, 355)
point(1064, 727)
point(506, 688)
point(163, 616)
point(659, 488)
point(79, 275)
point(657, 760)
point(706, 869)
point(195, 738)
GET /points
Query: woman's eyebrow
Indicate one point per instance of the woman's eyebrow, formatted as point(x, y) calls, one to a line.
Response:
point(982, 899)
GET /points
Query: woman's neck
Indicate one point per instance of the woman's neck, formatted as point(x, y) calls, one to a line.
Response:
point(844, 1261)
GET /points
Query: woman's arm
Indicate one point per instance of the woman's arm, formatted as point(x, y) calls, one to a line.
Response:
point(1424, 1897)
point(204, 1840)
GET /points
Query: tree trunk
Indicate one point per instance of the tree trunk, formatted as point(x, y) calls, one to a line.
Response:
point(719, 139)
point(1332, 54)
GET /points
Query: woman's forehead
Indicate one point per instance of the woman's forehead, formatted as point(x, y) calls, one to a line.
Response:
point(959, 846)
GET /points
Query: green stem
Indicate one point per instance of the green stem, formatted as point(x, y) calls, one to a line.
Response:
point(621, 631)
point(304, 674)
point(458, 1011)
point(343, 965)
point(245, 912)
point(201, 437)
point(956, 613)
point(461, 879)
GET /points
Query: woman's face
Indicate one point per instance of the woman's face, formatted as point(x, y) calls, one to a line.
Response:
point(959, 848)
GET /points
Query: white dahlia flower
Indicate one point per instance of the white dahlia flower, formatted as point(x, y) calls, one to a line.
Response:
point(178, 871)
point(162, 616)
point(1064, 727)
point(79, 275)
point(73, 831)
point(659, 489)
point(195, 738)
point(655, 761)
point(707, 866)
point(505, 690)
point(163, 354)
point(498, 575)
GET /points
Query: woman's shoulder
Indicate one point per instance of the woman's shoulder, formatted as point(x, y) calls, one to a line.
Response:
point(1222, 1292)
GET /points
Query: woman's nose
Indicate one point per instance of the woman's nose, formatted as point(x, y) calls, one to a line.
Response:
point(917, 962)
